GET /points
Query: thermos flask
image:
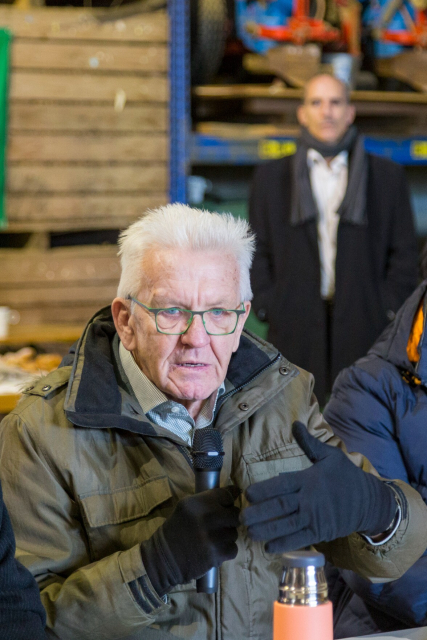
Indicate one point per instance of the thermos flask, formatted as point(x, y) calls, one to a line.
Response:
point(303, 611)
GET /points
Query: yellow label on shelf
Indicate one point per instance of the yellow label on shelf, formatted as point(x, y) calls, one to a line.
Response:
point(419, 149)
point(273, 149)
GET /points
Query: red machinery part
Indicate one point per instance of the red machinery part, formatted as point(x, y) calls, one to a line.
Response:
point(300, 28)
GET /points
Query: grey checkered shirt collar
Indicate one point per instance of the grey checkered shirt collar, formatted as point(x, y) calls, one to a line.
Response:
point(162, 411)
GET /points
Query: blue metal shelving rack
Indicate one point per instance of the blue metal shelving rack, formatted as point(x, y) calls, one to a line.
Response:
point(179, 81)
point(207, 149)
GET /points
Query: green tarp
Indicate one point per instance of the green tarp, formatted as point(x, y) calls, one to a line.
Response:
point(5, 39)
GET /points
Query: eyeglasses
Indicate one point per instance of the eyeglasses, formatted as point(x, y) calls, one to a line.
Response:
point(175, 321)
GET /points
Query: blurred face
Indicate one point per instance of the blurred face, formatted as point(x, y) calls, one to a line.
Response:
point(325, 112)
point(190, 367)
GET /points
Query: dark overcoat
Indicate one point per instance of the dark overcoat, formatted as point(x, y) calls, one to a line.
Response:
point(376, 269)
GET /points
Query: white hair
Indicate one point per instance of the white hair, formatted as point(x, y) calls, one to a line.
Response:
point(178, 226)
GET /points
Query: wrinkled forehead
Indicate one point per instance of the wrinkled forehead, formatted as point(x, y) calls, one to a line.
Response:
point(324, 87)
point(182, 272)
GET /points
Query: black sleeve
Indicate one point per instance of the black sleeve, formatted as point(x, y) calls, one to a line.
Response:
point(402, 263)
point(22, 615)
point(262, 274)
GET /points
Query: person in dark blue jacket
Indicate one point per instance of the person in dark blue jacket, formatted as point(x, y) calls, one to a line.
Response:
point(378, 407)
point(22, 616)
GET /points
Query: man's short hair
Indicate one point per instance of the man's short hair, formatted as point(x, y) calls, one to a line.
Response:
point(345, 86)
point(178, 226)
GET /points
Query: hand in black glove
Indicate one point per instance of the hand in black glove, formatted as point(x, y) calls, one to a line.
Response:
point(200, 534)
point(331, 499)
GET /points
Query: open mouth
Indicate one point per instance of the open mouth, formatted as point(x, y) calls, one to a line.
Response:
point(191, 365)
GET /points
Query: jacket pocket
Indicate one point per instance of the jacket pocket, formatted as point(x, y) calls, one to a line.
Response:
point(125, 504)
point(122, 518)
point(266, 469)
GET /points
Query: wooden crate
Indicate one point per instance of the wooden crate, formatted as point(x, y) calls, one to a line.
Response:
point(88, 118)
point(62, 285)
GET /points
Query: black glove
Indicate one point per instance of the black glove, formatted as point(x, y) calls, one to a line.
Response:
point(200, 534)
point(331, 499)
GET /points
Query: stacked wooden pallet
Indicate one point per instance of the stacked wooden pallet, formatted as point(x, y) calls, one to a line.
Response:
point(88, 118)
point(87, 149)
point(64, 285)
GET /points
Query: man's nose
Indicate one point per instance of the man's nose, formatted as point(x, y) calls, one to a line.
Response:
point(196, 335)
point(326, 109)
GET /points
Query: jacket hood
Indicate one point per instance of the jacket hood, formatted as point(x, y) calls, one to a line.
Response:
point(94, 397)
point(392, 343)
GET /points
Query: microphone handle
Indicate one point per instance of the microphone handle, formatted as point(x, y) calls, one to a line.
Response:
point(207, 479)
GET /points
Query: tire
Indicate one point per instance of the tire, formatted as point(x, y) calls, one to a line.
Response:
point(208, 34)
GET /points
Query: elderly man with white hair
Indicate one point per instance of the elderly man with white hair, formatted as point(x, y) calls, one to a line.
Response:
point(96, 468)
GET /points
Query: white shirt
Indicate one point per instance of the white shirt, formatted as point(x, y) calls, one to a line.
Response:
point(328, 184)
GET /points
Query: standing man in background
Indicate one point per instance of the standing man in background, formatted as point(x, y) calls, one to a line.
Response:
point(336, 246)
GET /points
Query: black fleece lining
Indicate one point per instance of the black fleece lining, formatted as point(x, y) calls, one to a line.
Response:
point(133, 586)
point(98, 386)
point(110, 421)
point(246, 362)
point(146, 591)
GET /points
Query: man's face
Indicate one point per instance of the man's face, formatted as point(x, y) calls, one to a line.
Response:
point(325, 112)
point(189, 367)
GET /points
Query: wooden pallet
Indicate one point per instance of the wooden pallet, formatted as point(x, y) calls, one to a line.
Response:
point(63, 285)
point(88, 142)
point(278, 90)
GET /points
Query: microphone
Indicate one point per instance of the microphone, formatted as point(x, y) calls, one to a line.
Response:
point(207, 454)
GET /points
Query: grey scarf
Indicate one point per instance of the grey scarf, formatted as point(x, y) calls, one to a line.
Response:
point(353, 207)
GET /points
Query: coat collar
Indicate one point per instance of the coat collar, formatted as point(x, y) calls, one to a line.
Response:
point(97, 397)
point(391, 345)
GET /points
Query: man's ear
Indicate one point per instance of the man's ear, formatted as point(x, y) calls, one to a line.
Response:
point(124, 322)
point(351, 114)
point(301, 115)
point(240, 325)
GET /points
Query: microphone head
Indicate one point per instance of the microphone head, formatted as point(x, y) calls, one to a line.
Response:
point(207, 451)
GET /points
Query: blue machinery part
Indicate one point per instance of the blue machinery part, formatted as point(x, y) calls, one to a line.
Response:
point(273, 13)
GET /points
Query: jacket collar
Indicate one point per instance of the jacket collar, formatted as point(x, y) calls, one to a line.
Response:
point(391, 345)
point(97, 396)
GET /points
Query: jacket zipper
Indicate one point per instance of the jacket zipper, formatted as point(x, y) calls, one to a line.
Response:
point(185, 453)
point(225, 397)
point(188, 458)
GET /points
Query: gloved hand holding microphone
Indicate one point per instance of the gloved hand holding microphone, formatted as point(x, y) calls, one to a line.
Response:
point(201, 533)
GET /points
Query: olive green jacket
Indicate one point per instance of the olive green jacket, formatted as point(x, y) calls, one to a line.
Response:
point(87, 477)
